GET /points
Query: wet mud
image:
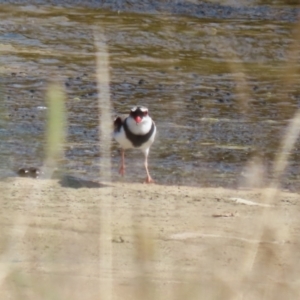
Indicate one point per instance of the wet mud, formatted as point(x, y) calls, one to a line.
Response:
point(213, 76)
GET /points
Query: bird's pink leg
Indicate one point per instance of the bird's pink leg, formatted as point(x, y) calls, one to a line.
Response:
point(122, 167)
point(148, 179)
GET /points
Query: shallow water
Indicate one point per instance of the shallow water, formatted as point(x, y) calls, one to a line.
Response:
point(217, 89)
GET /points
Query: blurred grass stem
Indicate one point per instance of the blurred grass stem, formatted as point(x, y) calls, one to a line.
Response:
point(105, 129)
point(56, 128)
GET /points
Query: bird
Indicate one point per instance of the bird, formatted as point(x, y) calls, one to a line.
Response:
point(135, 131)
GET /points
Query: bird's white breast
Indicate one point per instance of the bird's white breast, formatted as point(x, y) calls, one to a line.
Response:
point(139, 128)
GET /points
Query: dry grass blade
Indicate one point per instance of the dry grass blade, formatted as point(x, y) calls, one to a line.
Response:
point(288, 142)
point(265, 258)
point(105, 129)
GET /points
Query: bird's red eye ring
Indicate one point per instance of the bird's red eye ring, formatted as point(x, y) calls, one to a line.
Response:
point(145, 113)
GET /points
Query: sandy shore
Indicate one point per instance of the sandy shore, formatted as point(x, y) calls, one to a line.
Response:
point(167, 242)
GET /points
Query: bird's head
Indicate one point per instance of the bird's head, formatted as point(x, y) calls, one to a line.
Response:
point(139, 114)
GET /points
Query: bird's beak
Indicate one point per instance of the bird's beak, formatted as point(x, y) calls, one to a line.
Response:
point(138, 119)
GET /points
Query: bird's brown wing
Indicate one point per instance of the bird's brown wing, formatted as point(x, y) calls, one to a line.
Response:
point(118, 122)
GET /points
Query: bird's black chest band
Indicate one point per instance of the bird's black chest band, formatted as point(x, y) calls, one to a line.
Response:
point(138, 140)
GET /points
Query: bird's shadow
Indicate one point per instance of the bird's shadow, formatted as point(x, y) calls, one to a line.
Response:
point(70, 181)
point(65, 180)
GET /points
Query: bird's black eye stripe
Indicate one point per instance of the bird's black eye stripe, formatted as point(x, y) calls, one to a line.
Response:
point(139, 113)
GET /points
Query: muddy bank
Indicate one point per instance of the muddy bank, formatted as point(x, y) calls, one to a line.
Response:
point(192, 74)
